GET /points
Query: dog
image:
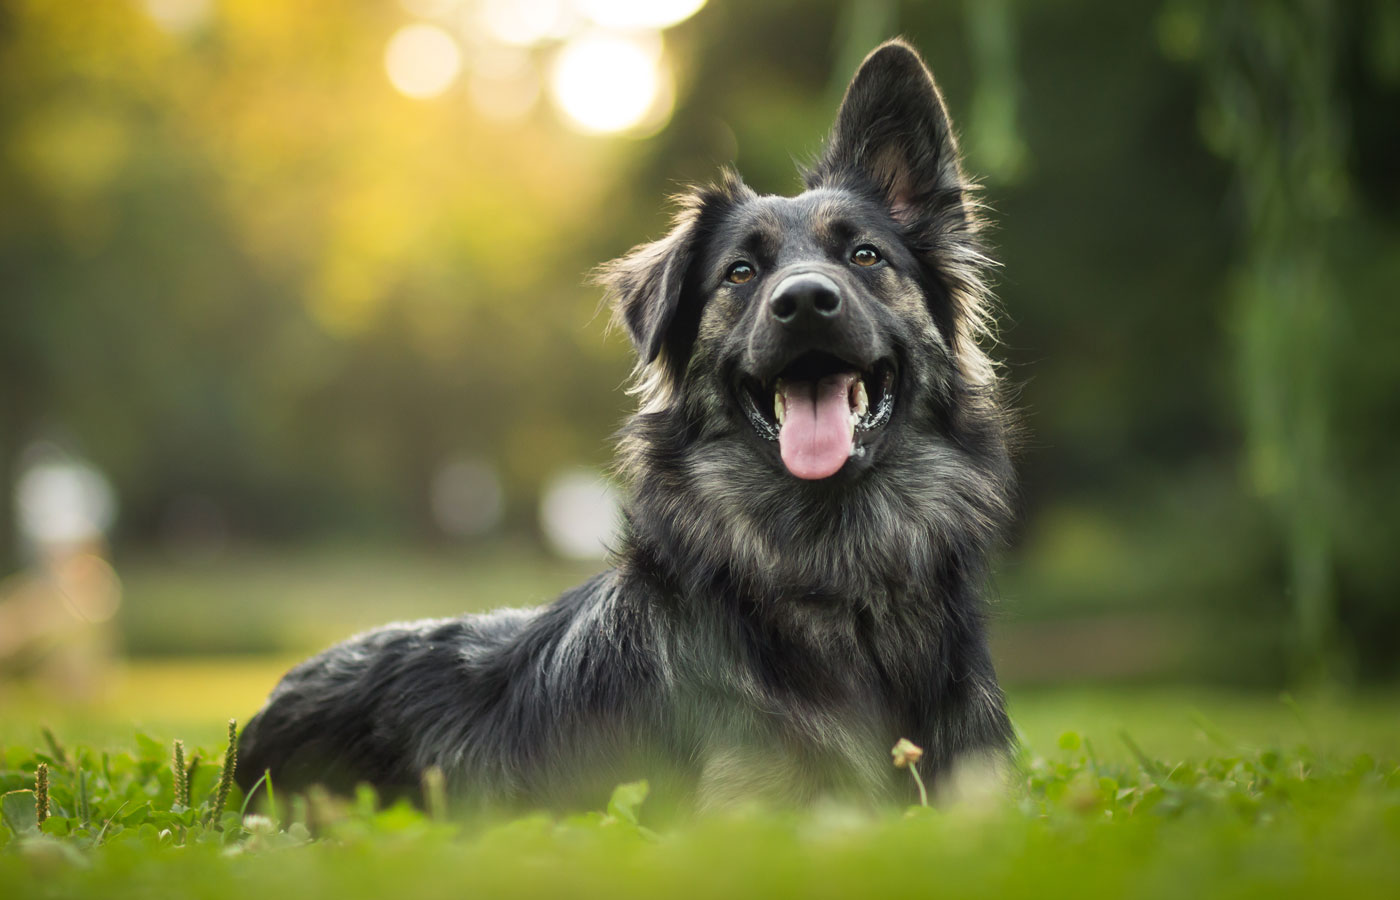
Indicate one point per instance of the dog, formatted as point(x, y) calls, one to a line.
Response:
point(817, 471)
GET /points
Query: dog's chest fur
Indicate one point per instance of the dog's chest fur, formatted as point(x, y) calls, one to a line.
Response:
point(788, 699)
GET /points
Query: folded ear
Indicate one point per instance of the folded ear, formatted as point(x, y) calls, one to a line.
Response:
point(649, 285)
point(646, 284)
point(893, 133)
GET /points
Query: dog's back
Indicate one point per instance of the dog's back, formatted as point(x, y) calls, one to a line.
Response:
point(509, 705)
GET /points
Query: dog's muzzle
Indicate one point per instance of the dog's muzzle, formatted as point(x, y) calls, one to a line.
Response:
point(824, 381)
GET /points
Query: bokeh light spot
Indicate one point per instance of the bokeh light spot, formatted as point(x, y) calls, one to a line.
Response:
point(422, 61)
point(63, 502)
point(466, 497)
point(639, 13)
point(179, 16)
point(579, 514)
point(522, 23)
point(609, 83)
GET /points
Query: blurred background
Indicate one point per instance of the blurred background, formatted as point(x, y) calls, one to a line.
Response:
point(296, 336)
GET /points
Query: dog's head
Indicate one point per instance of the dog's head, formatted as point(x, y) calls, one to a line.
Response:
point(814, 339)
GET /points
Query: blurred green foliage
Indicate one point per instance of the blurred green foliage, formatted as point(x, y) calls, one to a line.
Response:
point(258, 603)
point(236, 265)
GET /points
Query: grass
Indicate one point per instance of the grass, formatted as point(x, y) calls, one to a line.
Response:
point(174, 697)
point(1255, 797)
point(1133, 791)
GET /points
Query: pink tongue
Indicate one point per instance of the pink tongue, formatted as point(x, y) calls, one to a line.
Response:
point(816, 433)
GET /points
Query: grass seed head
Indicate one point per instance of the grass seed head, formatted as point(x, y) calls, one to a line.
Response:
point(41, 792)
point(906, 753)
point(226, 776)
point(181, 775)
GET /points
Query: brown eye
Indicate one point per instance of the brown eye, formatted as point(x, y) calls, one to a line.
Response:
point(739, 273)
point(865, 255)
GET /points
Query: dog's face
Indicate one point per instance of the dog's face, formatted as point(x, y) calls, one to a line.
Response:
point(817, 353)
point(813, 305)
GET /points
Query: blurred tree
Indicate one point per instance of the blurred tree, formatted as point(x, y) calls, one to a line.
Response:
point(994, 143)
point(1273, 110)
point(237, 266)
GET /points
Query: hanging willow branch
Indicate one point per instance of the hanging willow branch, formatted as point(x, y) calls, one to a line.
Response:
point(994, 144)
point(1271, 109)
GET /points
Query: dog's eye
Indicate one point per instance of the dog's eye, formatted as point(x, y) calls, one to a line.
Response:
point(739, 273)
point(865, 255)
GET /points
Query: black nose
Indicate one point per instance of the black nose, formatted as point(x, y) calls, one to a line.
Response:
point(805, 298)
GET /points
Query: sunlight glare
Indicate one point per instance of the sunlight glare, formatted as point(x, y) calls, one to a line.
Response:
point(422, 61)
point(610, 83)
point(638, 13)
point(523, 23)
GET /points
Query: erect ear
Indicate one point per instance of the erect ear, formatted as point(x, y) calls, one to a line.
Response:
point(893, 131)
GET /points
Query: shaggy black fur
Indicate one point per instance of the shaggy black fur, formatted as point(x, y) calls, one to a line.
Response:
point(762, 636)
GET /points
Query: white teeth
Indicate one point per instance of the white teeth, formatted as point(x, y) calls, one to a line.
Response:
point(859, 400)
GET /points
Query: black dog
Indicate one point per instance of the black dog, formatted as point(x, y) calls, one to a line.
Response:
point(816, 472)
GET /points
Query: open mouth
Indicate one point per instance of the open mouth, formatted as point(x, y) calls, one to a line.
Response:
point(816, 409)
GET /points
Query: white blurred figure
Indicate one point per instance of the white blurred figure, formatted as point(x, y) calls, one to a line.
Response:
point(55, 616)
point(580, 515)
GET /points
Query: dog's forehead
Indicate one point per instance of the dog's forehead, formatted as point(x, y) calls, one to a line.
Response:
point(812, 215)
